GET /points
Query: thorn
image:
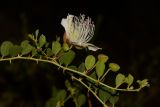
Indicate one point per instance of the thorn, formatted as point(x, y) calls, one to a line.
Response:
point(64, 70)
point(59, 68)
point(18, 55)
point(72, 78)
point(37, 61)
point(10, 61)
point(80, 78)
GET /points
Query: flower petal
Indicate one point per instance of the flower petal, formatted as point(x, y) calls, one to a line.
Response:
point(93, 47)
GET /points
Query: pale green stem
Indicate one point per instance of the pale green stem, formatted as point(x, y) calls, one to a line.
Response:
point(90, 90)
point(112, 105)
point(72, 70)
point(75, 101)
point(105, 74)
point(67, 98)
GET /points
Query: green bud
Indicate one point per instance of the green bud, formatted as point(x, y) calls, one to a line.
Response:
point(65, 47)
point(31, 36)
point(103, 58)
point(57, 39)
point(114, 67)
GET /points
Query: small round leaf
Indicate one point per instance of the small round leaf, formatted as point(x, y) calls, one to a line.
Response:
point(67, 57)
point(89, 61)
point(5, 48)
point(42, 40)
point(61, 95)
point(120, 79)
point(56, 47)
point(104, 95)
point(26, 47)
point(114, 67)
point(114, 99)
point(100, 67)
point(15, 50)
point(129, 80)
point(49, 52)
point(81, 67)
point(81, 100)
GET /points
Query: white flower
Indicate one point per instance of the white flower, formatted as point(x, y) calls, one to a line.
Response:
point(79, 31)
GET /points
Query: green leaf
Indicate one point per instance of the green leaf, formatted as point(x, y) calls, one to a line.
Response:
point(56, 47)
point(81, 100)
point(58, 39)
point(129, 80)
point(26, 47)
point(89, 61)
point(67, 57)
point(61, 95)
point(51, 102)
point(47, 44)
point(34, 51)
point(114, 67)
point(31, 36)
point(49, 52)
point(143, 83)
point(57, 97)
point(61, 54)
point(93, 75)
point(100, 67)
point(5, 48)
point(15, 50)
point(120, 79)
point(36, 33)
point(54, 91)
point(24, 43)
point(58, 104)
point(114, 99)
point(68, 84)
point(104, 95)
point(72, 67)
point(81, 67)
point(42, 41)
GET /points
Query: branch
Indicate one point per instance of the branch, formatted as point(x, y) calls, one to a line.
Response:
point(79, 80)
point(72, 70)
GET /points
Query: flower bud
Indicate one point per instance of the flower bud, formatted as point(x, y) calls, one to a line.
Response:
point(65, 47)
point(103, 58)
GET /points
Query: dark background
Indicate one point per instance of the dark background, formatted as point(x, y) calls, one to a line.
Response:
point(128, 32)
